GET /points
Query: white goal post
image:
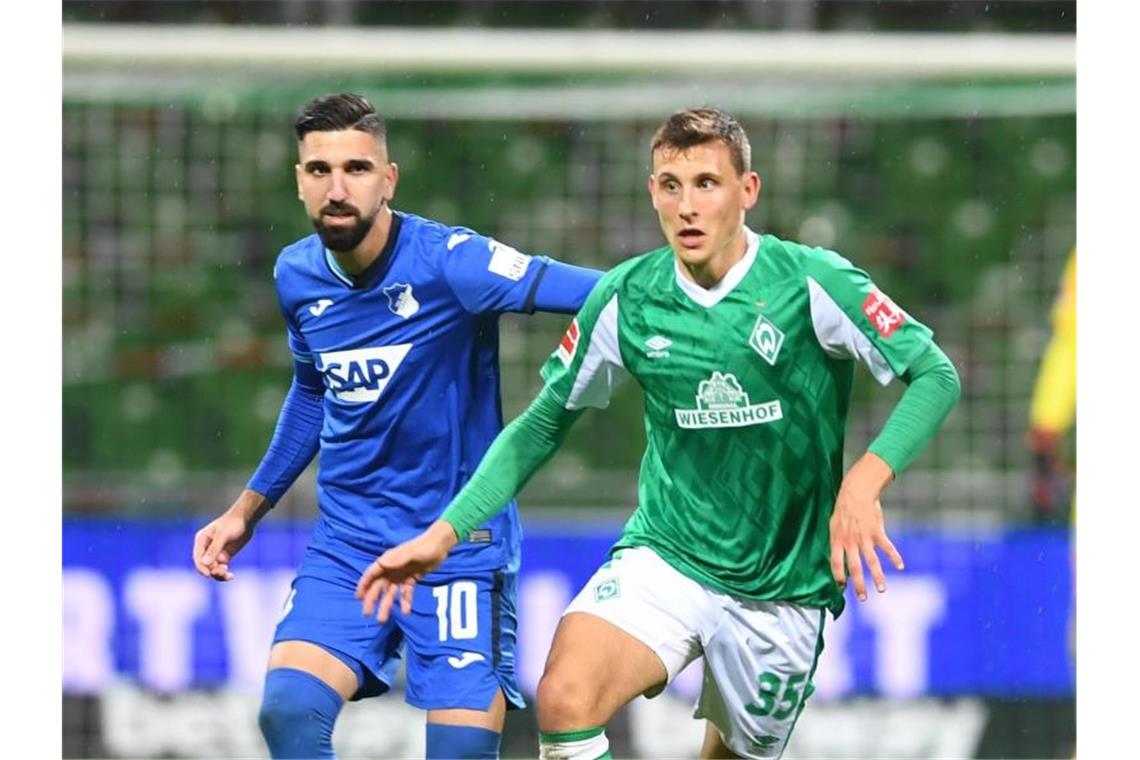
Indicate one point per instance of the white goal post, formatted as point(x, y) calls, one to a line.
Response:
point(595, 74)
point(574, 51)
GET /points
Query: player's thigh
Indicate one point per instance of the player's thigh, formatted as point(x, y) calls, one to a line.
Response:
point(758, 670)
point(713, 747)
point(491, 718)
point(633, 627)
point(461, 642)
point(316, 661)
point(322, 631)
point(592, 670)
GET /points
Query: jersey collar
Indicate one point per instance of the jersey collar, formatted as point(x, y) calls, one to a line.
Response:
point(375, 271)
point(712, 296)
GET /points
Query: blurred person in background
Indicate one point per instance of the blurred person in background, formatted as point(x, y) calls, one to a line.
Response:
point(746, 530)
point(392, 321)
point(1052, 414)
point(1053, 407)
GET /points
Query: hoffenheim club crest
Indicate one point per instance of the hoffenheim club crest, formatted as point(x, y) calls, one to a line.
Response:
point(400, 299)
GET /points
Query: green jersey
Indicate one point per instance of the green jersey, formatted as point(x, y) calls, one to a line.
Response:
point(746, 388)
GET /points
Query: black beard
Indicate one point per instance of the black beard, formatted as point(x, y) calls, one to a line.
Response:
point(343, 239)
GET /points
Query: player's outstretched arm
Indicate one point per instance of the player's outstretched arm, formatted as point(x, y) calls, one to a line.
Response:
point(216, 544)
point(515, 455)
point(396, 571)
point(857, 526)
point(564, 287)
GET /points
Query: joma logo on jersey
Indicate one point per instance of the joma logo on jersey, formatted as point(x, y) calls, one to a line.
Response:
point(360, 375)
point(766, 340)
point(721, 403)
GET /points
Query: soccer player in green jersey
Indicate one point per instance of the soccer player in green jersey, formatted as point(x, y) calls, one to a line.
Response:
point(746, 530)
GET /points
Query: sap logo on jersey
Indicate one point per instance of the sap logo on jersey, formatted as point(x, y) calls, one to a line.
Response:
point(360, 375)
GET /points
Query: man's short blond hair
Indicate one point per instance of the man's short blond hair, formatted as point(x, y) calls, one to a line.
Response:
point(697, 126)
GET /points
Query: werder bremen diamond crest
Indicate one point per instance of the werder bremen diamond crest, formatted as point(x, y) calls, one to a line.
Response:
point(766, 339)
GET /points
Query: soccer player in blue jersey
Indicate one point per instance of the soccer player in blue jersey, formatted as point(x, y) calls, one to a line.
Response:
point(392, 322)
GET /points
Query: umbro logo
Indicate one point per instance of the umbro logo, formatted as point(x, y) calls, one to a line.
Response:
point(464, 660)
point(319, 307)
point(657, 346)
point(456, 239)
point(764, 742)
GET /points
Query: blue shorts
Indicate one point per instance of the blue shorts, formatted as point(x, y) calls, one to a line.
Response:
point(459, 640)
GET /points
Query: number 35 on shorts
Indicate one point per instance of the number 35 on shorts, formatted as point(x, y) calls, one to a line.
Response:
point(779, 698)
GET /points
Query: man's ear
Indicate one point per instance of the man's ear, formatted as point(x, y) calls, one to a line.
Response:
point(751, 189)
point(393, 180)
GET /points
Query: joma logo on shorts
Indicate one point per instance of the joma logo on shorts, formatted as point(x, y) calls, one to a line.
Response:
point(360, 375)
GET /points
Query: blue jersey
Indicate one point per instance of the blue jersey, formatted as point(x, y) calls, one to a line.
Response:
point(408, 352)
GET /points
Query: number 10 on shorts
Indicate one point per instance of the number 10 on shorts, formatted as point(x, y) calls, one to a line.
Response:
point(457, 610)
point(777, 697)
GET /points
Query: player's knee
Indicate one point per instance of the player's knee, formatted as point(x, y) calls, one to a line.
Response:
point(565, 701)
point(297, 714)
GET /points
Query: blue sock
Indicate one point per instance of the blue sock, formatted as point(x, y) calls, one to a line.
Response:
point(446, 742)
point(297, 715)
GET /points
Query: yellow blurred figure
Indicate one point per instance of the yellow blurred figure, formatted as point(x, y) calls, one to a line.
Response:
point(1053, 408)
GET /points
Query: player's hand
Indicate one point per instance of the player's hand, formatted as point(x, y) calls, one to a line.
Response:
point(857, 528)
point(396, 571)
point(216, 544)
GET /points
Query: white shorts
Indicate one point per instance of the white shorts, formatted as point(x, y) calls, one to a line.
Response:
point(759, 656)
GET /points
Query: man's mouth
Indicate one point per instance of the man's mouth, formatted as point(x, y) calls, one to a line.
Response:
point(338, 216)
point(691, 237)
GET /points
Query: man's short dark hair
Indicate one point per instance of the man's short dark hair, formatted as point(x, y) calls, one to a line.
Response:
point(697, 126)
point(343, 110)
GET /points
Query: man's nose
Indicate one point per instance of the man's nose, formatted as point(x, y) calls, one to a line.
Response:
point(685, 207)
point(337, 190)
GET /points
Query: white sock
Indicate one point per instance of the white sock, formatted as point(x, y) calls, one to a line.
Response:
point(588, 744)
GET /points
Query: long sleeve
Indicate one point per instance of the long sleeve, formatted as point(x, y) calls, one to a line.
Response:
point(563, 287)
point(932, 390)
point(297, 437)
point(515, 455)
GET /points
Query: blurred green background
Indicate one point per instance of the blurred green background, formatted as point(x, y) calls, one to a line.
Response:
point(957, 194)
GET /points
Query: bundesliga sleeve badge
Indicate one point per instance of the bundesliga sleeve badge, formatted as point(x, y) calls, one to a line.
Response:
point(569, 343)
